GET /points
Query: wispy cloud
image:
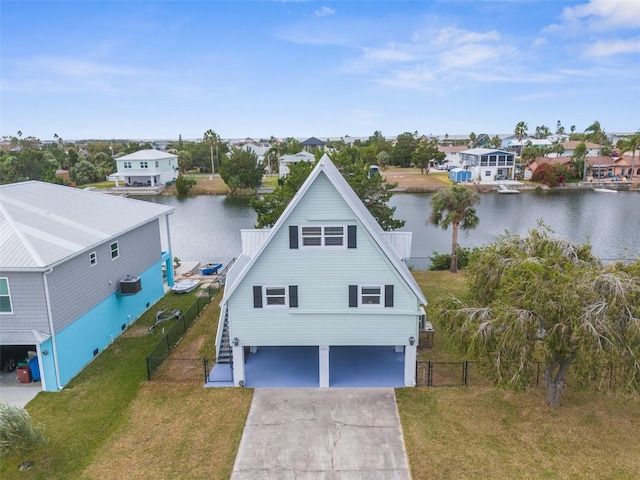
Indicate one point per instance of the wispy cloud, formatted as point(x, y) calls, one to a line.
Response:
point(607, 48)
point(59, 74)
point(604, 14)
point(325, 12)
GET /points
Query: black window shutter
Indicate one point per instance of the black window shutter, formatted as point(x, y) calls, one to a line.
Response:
point(293, 236)
point(257, 296)
point(351, 236)
point(388, 295)
point(293, 295)
point(353, 295)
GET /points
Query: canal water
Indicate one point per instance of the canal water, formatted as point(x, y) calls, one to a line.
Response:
point(207, 228)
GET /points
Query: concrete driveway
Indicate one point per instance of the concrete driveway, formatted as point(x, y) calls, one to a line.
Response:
point(311, 433)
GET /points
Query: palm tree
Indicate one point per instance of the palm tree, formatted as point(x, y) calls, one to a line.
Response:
point(521, 131)
point(594, 133)
point(472, 140)
point(631, 144)
point(210, 137)
point(454, 206)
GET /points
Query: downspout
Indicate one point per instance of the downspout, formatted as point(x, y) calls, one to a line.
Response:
point(52, 330)
point(170, 273)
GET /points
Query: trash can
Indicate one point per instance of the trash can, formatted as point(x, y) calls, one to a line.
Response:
point(24, 374)
point(34, 367)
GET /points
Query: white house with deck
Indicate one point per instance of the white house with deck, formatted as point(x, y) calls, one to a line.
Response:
point(146, 168)
point(322, 295)
point(488, 165)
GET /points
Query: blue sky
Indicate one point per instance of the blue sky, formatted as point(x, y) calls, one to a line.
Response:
point(327, 69)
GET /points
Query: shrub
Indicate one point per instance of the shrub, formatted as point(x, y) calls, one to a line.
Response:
point(442, 261)
point(17, 433)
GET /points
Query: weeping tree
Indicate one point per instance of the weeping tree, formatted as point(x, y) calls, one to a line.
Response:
point(538, 298)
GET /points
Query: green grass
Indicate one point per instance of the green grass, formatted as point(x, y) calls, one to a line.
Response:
point(79, 418)
point(110, 423)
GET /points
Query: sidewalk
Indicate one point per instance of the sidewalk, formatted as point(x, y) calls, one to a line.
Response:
point(311, 433)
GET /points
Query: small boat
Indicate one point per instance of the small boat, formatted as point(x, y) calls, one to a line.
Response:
point(605, 190)
point(504, 189)
point(210, 268)
point(186, 286)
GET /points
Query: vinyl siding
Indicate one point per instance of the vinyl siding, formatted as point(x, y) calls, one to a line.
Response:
point(28, 302)
point(75, 287)
point(323, 276)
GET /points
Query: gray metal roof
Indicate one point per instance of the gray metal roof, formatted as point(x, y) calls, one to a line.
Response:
point(42, 224)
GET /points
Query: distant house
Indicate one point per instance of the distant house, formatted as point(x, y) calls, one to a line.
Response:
point(323, 294)
point(452, 153)
point(259, 151)
point(513, 143)
point(286, 160)
point(599, 167)
point(145, 168)
point(76, 268)
point(488, 164)
point(593, 149)
point(310, 144)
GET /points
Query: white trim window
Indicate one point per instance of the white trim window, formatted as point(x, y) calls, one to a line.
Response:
point(127, 164)
point(93, 259)
point(144, 164)
point(115, 250)
point(276, 297)
point(331, 236)
point(5, 297)
point(370, 295)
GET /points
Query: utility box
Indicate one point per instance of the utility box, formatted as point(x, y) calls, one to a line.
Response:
point(130, 285)
point(24, 374)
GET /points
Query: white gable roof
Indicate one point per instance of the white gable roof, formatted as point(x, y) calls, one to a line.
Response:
point(325, 166)
point(151, 154)
point(42, 224)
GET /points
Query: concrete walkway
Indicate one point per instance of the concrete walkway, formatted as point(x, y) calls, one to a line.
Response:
point(329, 434)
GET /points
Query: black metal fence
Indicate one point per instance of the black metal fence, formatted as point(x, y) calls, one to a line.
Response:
point(466, 373)
point(173, 335)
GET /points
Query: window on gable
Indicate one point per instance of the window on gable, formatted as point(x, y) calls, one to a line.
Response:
point(371, 295)
point(93, 259)
point(323, 236)
point(275, 296)
point(115, 252)
point(5, 296)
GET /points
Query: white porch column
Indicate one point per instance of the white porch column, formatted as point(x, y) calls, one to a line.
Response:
point(410, 352)
point(323, 352)
point(238, 365)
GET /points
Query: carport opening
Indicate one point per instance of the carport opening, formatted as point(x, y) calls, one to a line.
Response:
point(19, 364)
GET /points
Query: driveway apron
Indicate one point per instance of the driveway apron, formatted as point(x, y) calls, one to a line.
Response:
point(311, 433)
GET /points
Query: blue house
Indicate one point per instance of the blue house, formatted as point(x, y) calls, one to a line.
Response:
point(459, 175)
point(76, 268)
point(321, 299)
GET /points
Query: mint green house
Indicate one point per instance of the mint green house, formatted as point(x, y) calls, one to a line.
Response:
point(325, 277)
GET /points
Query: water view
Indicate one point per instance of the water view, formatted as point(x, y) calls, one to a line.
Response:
point(207, 228)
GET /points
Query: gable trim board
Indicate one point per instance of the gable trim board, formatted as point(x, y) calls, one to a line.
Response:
point(337, 287)
point(368, 221)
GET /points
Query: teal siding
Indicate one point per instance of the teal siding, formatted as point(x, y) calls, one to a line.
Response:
point(323, 277)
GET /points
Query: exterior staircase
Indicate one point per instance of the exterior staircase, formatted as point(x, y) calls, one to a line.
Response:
point(225, 354)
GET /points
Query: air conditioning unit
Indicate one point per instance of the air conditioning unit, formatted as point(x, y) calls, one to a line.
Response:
point(130, 285)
